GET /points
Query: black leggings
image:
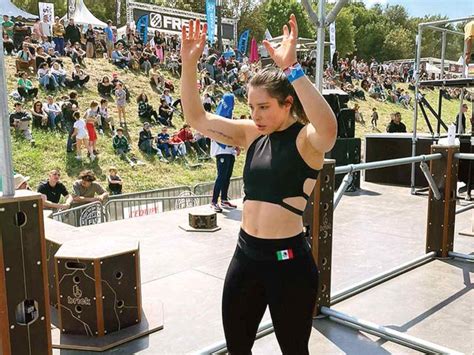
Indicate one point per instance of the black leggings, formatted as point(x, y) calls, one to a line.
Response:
point(255, 279)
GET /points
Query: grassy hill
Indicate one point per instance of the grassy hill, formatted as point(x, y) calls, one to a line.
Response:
point(50, 151)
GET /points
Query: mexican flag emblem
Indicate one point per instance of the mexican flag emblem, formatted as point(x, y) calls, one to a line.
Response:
point(284, 254)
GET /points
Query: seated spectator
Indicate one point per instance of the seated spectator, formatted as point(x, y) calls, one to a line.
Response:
point(178, 148)
point(405, 99)
point(25, 87)
point(163, 142)
point(104, 117)
point(20, 120)
point(45, 78)
point(118, 58)
point(52, 189)
point(21, 182)
point(79, 77)
point(53, 110)
point(86, 190)
point(121, 146)
point(105, 87)
point(59, 74)
point(207, 102)
point(25, 59)
point(396, 125)
point(8, 44)
point(169, 100)
point(202, 141)
point(186, 135)
point(145, 63)
point(165, 113)
point(40, 57)
point(157, 80)
point(77, 54)
point(39, 115)
point(115, 181)
point(145, 110)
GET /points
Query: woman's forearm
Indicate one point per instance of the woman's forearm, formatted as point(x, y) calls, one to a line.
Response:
point(191, 102)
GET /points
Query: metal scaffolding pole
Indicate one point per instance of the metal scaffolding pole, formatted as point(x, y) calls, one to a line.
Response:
point(6, 166)
point(415, 114)
point(320, 46)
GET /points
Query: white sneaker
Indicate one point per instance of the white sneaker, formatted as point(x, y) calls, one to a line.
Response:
point(101, 132)
point(92, 157)
point(78, 157)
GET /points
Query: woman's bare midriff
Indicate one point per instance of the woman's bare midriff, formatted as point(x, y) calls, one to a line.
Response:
point(270, 221)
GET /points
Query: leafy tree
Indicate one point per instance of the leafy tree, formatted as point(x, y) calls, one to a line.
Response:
point(345, 32)
point(398, 44)
point(277, 13)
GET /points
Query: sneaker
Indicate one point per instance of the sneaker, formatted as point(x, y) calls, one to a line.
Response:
point(132, 164)
point(92, 156)
point(101, 132)
point(163, 160)
point(78, 157)
point(216, 207)
point(227, 204)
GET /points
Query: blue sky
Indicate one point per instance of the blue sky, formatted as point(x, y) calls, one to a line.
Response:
point(419, 8)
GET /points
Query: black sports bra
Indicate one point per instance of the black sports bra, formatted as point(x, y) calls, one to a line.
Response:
point(274, 169)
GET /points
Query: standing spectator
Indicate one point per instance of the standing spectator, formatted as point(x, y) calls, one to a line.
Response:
point(69, 106)
point(375, 118)
point(20, 120)
point(225, 159)
point(91, 118)
point(46, 27)
point(51, 191)
point(72, 33)
point(7, 26)
point(25, 87)
point(464, 109)
point(358, 115)
point(81, 136)
point(115, 181)
point(37, 33)
point(58, 35)
point(85, 189)
point(109, 39)
point(121, 146)
point(53, 110)
point(90, 42)
point(396, 125)
point(121, 102)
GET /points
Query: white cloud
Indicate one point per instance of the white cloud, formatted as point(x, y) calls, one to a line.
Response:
point(369, 3)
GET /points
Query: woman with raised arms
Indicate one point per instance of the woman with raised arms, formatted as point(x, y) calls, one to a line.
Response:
point(291, 128)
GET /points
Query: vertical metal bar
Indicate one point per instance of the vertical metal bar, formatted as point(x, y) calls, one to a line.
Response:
point(6, 166)
point(415, 113)
point(320, 46)
point(443, 52)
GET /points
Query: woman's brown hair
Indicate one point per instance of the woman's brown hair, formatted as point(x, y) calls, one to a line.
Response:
point(277, 85)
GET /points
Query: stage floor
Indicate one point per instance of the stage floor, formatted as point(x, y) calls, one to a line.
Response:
point(378, 228)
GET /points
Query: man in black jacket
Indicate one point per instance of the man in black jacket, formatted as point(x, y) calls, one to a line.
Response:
point(396, 125)
point(73, 34)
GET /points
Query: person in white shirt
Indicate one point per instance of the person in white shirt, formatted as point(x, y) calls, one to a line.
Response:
point(59, 74)
point(82, 137)
point(46, 27)
point(53, 110)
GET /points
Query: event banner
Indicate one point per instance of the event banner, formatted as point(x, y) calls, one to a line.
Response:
point(71, 8)
point(46, 9)
point(211, 19)
point(332, 38)
point(244, 41)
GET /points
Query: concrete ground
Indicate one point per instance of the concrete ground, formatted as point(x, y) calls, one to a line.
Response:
point(376, 229)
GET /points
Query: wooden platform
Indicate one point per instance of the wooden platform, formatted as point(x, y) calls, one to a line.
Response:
point(376, 229)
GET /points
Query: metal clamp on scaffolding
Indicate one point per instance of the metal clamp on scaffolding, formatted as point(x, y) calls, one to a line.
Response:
point(426, 170)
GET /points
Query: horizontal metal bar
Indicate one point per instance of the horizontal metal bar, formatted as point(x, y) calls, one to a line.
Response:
point(342, 188)
point(442, 22)
point(388, 333)
point(465, 208)
point(441, 29)
point(382, 277)
point(465, 156)
point(145, 199)
point(386, 163)
point(461, 256)
point(221, 347)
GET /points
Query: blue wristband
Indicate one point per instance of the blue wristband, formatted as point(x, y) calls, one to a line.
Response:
point(294, 72)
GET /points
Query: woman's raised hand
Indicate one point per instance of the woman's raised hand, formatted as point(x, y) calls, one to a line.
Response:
point(285, 54)
point(193, 39)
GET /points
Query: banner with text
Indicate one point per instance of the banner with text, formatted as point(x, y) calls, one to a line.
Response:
point(211, 19)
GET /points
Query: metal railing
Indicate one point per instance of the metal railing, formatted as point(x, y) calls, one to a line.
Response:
point(164, 192)
point(236, 188)
point(118, 209)
point(84, 215)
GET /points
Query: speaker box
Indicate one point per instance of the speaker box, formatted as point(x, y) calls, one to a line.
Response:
point(24, 311)
point(346, 123)
point(333, 101)
point(98, 285)
point(346, 151)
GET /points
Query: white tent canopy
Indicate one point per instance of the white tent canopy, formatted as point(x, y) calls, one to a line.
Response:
point(7, 8)
point(82, 16)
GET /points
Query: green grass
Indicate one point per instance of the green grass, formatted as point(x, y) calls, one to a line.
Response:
point(50, 151)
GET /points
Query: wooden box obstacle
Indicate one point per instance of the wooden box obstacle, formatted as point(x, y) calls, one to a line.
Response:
point(24, 310)
point(98, 286)
point(201, 221)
